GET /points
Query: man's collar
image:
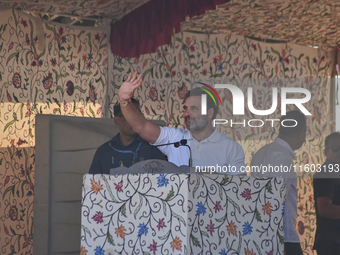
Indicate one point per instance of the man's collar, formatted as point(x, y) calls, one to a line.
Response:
point(213, 138)
point(116, 139)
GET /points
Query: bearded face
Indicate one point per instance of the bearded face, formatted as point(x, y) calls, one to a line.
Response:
point(193, 118)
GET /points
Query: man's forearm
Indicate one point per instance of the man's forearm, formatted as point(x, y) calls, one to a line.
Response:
point(145, 128)
point(134, 117)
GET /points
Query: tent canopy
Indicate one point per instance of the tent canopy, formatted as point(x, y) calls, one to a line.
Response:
point(305, 22)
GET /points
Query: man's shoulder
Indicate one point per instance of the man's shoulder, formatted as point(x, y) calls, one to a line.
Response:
point(173, 132)
point(173, 129)
point(271, 154)
point(108, 144)
point(104, 146)
point(225, 139)
point(272, 148)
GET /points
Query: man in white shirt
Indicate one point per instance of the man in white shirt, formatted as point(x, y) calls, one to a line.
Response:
point(276, 159)
point(210, 149)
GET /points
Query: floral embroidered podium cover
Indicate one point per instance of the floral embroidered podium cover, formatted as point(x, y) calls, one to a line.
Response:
point(182, 214)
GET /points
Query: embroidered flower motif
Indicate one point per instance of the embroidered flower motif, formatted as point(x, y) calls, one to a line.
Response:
point(13, 213)
point(161, 224)
point(247, 229)
point(96, 186)
point(162, 181)
point(301, 228)
point(200, 209)
point(210, 227)
point(99, 251)
point(185, 71)
point(153, 94)
point(204, 72)
point(48, 81)
point(248, 252)
point(246, 194)
point(222, 252)
point(83, 251)
point(267, 208)
point(84, 58)
point(272, 252)
point(153, 247)
point(53, 62)
point(98, 217)
point(72, 66)
point(16, 80)
point(142, 229)
point(119, 186)
point(20, 142)
point(218, 206)
point(70, 88)
point(231, 228)
point(89, 65)
point(176, 244)
point(311, 198)
point(120, 232)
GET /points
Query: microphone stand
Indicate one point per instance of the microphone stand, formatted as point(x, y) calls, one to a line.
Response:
point(183, 142)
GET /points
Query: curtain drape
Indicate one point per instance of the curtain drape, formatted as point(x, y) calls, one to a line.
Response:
point(151, 25)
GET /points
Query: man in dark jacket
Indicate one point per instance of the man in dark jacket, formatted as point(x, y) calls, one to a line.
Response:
point(327, 199)
point(125, 149)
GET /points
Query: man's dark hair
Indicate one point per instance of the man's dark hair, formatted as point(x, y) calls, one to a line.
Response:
point(118, 112)
point(210, 101)
point(330, 137)
point(296, 115)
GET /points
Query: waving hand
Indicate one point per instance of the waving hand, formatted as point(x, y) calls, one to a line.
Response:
point(125, 92)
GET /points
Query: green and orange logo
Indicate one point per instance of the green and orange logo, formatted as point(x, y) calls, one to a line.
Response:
point(204, 97)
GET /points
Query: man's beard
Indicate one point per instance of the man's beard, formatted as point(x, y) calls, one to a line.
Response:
point(196, 124)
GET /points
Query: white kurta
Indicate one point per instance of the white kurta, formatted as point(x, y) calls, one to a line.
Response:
point(279, 153)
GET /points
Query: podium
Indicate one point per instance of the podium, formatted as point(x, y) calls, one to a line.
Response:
point(179, 213)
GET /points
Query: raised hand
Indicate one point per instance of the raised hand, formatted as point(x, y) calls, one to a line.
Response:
point(125, 92)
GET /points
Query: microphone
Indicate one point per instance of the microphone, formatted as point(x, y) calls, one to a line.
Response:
point(176, 144)
point(183, 142)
